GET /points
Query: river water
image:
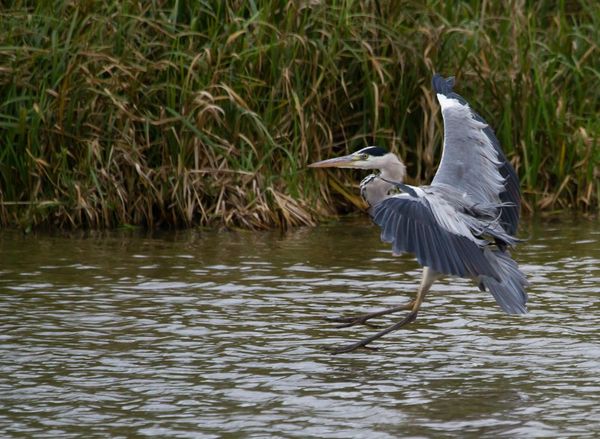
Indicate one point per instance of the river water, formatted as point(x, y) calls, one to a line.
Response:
point(204, 334)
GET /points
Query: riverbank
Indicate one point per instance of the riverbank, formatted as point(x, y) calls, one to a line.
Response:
point(162, 114)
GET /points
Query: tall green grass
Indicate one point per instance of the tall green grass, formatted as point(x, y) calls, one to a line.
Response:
point(182, 113)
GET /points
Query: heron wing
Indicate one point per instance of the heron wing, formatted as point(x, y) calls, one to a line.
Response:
point(433, 233)
point(472, 159)
point(510, 291)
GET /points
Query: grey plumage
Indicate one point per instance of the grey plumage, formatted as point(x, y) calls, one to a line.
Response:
point(454, 238)
point(409, 224)
point(459, 169)
point(472, 204)
point(509, 290)
point(462, 224)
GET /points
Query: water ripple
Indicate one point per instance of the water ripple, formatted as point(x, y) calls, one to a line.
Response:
point(187, 335)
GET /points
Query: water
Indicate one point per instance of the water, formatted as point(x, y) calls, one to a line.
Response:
point(205, 334)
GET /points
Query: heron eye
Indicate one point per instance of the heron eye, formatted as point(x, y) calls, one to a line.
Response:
point(364, 156)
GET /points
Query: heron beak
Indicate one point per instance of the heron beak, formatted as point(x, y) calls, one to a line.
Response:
point(346, 161)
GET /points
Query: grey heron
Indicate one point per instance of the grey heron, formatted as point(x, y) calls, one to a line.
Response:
point(462, 224)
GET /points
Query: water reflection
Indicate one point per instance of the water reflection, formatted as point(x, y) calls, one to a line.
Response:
point(201, 334)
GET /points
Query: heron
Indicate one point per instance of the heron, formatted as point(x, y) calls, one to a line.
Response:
point(463, 224)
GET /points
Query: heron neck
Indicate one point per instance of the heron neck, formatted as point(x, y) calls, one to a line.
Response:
point(374, 189)
point(394, 171)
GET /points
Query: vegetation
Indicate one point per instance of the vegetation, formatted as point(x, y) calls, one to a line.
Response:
point(183, 113)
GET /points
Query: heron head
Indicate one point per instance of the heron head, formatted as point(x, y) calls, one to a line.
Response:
point(371, 157)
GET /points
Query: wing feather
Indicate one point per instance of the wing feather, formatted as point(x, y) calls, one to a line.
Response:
point(409, 224)
point(472, 159)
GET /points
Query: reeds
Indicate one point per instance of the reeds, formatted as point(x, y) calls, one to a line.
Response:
point(182, 113)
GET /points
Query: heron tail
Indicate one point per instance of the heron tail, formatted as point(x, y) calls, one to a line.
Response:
point(509, 292)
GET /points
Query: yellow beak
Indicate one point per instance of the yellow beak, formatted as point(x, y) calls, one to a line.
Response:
point(347, 161)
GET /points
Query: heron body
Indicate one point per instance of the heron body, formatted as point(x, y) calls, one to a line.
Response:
point(462, 224)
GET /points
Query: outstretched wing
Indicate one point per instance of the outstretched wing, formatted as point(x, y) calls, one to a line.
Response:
point(434, 233)
point(472, 159)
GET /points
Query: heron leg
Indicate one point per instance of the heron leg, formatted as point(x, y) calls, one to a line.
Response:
point(429, 277)
point(362, 318)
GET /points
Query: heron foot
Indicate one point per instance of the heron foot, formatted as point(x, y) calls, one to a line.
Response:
point(364, 342)
point(334, 350)
point(346, 322)
point(362, 319)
